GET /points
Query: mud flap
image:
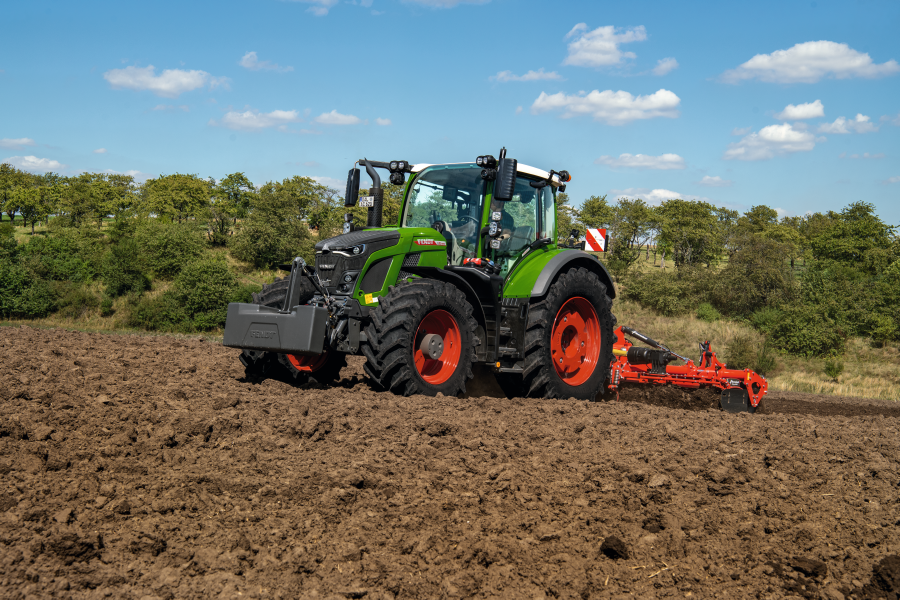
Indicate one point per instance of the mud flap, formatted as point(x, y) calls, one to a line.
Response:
point(735, 400)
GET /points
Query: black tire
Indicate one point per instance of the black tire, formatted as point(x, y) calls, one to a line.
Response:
point(327, 374)
point(257, 363)
point(391, 336)
point(512, 385)
point(540, 376)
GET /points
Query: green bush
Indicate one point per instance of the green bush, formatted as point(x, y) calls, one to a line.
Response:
point(670, 292)
point(22, 294)
point(76, 301)
point(834, 368)
point(745, 353)
point(166, 247)
point(765, 319)
point(265, 244)
point(8, 246)
point(803, 330)
point(106, 307)
point(121, 272)
point(158, 313)
point(64, 255)
point(756, 277)
point(706, 312)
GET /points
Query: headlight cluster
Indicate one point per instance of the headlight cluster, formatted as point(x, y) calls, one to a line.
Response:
point(398, 168)
point(487, 161)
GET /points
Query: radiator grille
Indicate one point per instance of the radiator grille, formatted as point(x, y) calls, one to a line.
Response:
point(412, 260)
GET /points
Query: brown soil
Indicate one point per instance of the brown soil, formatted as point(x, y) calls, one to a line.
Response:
point(142, 467)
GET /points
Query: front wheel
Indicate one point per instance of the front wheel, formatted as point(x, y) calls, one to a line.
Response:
point(569, 338)
point(324, 368)
point(421, 339)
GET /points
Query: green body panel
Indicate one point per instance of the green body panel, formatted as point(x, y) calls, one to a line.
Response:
point(412, 239)
point(521, 281)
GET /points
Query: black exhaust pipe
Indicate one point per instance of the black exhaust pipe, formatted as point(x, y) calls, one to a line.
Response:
point(374, 216)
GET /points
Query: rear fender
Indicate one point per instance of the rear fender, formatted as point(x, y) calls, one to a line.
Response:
point(571, 259)
point(533, 278)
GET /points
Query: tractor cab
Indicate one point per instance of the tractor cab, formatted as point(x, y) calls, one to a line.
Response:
point(458, 201)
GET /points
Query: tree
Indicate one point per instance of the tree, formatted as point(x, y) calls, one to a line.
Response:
point(11, 179)
point(230, 201)
point(691, 229)
point(177, 197)
point(596, 213)
point(566, 216)
point(851, 235)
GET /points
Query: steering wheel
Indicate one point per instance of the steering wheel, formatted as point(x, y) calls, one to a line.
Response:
point(439, 226)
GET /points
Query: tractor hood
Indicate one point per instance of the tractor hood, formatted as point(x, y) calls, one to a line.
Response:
point(355, 238)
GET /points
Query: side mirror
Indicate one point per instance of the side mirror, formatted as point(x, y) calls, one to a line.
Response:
point(352, 193)
point(505, 183)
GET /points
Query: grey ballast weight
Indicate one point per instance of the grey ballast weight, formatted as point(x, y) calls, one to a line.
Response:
point(301, 331)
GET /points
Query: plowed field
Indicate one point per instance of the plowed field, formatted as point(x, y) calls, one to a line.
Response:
point(149, 467)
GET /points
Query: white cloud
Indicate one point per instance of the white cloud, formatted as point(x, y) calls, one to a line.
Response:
point(445, 3)
point(614, 108)
point(16, 143)
point(330, 182)
point(319, 8)
point(741, 130)
point(808, 110)
point(505, 76)
point(139, 176)
point(169, 107)
point(100, 151)
point(655, 196)
point(893, 179)
point(808, 63)
point(665, 65)
point(715, 181)
point(336, 118)
point(893, 120)
point(253, 120)
point(859, 124)
point(519, 110)
point(600, 47)
point(864, 155)
point(380, 121)
point(250, 61)
point(664, 162)
point(171, 83)
point(771, 141)
point(34, 164)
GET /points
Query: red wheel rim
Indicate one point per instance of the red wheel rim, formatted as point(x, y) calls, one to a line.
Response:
point(307, 363)
point(575, 341)
point(438, 371)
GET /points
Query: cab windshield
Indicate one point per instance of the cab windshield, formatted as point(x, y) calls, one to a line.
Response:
point(453, 197)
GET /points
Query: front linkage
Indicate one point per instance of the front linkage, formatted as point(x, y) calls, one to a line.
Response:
point(742, 389)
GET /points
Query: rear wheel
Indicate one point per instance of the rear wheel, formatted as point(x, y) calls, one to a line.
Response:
point(568, 339)
point(421, 339)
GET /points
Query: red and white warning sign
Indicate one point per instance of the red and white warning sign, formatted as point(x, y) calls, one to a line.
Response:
point(595, 240)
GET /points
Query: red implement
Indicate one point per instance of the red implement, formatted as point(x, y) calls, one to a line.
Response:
point(742, 389)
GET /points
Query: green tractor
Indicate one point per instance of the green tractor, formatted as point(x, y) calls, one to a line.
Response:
point(472, 273)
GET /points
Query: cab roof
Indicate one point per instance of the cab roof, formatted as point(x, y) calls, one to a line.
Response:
point(524, 169)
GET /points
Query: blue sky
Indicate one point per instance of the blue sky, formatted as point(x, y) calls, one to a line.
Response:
point(791, 104)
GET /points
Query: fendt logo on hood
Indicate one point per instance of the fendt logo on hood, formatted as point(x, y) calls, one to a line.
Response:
point(430, 243)
point(326, 267)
